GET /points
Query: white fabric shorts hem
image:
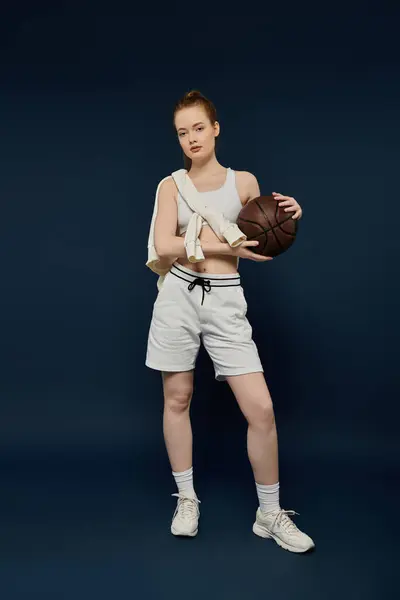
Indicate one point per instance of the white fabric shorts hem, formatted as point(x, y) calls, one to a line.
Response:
point(223, 376)
point(218, 376)
point(169, 369)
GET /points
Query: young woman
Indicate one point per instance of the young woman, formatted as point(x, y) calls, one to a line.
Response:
point(204, 297)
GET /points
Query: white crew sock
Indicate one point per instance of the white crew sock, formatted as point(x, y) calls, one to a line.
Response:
point(268, 497)
point(184, 481)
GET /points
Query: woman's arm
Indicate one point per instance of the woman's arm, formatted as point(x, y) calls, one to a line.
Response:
point(167, 243)
point(253, 189)
point(249, 189)
point(247, 186)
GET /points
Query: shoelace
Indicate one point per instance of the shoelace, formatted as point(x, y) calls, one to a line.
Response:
point(282, 520)
point(187, 507)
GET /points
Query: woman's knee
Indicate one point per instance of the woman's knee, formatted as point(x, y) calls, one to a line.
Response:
point(267, 413)
point(252, 393)
point(262, 414)
point(178, 391)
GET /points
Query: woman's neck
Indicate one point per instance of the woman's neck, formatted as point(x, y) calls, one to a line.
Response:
point(208, 166)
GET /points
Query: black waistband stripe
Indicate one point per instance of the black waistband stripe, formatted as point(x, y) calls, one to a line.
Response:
point(205, 282)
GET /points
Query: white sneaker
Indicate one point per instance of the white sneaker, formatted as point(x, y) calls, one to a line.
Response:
point(186, 516)
point(278, 526)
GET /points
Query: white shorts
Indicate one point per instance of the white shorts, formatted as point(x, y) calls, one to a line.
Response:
point(191, 307)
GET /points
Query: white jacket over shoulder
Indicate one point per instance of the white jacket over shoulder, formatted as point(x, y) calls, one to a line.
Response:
point(223, 228)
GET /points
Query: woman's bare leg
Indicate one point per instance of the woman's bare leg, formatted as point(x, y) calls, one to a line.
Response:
point(252, 394)
point(178, 391)
point(255, 402)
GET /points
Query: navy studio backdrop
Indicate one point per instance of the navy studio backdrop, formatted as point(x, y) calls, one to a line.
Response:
point(310, 106)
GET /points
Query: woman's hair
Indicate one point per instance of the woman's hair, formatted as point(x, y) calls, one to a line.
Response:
point(195, 98)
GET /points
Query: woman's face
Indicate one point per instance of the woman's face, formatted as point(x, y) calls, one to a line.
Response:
point(195, 132)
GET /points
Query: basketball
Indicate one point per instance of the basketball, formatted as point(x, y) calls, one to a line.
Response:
point(263, 220)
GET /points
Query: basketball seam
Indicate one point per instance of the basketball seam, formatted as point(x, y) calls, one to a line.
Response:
point(264, 230)
point(270, 224)
point(272, 228)
point(280, 223)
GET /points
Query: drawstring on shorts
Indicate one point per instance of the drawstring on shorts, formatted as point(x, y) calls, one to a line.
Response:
point(205, 284)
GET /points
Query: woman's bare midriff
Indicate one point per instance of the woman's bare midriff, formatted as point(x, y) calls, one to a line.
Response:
point(222, 263)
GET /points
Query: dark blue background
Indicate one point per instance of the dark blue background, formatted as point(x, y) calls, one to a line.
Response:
point(308, 102)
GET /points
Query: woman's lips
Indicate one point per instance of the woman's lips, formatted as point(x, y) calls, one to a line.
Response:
point(195, 148)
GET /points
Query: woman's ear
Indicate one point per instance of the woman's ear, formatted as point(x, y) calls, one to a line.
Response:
point(216, 128)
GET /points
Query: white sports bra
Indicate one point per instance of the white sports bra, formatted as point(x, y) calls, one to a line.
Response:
point(225, 200)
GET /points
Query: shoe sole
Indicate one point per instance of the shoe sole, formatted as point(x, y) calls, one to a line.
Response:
point(262, 532)
point(180, 534)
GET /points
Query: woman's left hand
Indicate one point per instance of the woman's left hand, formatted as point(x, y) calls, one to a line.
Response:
point(291, 205)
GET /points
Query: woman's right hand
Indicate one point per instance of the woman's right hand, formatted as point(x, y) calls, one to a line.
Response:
point(243, 252)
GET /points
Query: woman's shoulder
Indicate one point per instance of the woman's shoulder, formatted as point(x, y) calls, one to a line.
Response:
point(165, 183)
point(166, 187)
point(245, 176)
point(247, 185)
point(175, 176)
